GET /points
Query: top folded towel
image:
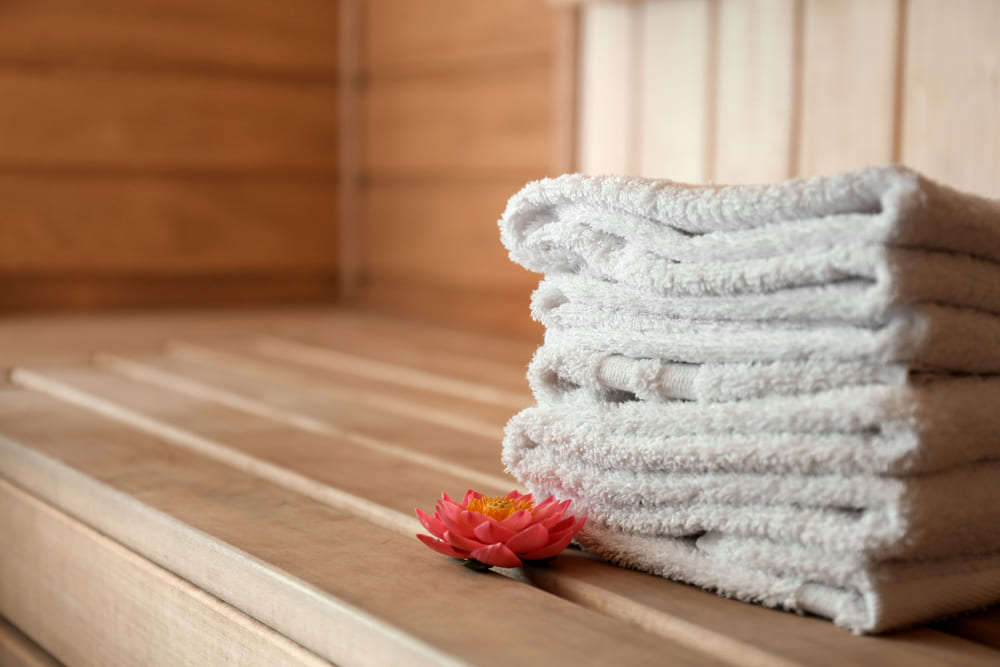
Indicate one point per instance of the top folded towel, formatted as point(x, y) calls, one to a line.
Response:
point(633, 230)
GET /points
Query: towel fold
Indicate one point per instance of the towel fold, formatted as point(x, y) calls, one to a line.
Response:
point(863, 597)
point(559, 370)
point(920, 516)
point(928, 337)
point(939, 278)
point(941, 423)
point(639, 231)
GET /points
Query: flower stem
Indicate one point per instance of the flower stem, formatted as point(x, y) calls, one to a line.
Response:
point(474, 564)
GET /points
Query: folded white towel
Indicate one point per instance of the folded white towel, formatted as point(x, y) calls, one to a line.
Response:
point(939, 423)
point(643, 232)
point(926, 337)
point(558, 371)
point(935, 515)
point(931, 277)
point(859, 595)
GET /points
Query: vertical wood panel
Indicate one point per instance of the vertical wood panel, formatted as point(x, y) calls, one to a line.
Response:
point(607, 90)
point(676, 82)
point(951, 111)
point(754, 118)
point(848, 84)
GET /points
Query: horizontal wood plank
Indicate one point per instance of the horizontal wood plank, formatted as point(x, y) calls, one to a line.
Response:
point(410, 391)
point(338, 585)
point(19, 650)
point(105, 120)
point(93, 602)
point(253, 36)
point(443, 35)
point(482, 309)
point(440, 232)
point(34, 292)
point(486, 381)
point(154, 225)
point(496, 123)
point(325, 410)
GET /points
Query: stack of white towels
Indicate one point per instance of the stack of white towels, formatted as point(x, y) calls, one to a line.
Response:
point(789, 393)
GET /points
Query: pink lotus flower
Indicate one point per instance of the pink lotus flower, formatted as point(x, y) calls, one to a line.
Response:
point(499, 530)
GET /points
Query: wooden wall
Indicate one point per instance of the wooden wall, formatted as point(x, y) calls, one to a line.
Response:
point(761, 90)
point(458, 111)
point(167, 151)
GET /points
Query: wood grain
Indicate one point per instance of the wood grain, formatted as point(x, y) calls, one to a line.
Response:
point(675, 105)
point(484, 388)
point(327, 411)
point(848, 94)
point(105, 120)
point(18, 650)
point(982, 628)
point(608, 89)
point(493, 311)
point(754, 91)
point(339, 586)
point(443, 35)
point(440, 232)
point(460, 355)
point(495, 123)
point(91, 601)
point(247, 36)
point(951, 91)
point(103, 225)
point(80, 292)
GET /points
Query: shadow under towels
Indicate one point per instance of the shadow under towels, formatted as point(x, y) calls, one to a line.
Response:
point(784, 393)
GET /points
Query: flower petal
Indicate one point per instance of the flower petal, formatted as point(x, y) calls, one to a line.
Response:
point(470, 495)
point(441, 547)
point(451, 516)
point(562, 524)
point(570, 530)
point(530, 539)
point(433, 524)
point(490, 531)
point(473, 519)
point(517, 496)
point(549, 550)
point(496, 554)
point(518, 520)
point(556, 515)
point(461, 542)
point(550, 509)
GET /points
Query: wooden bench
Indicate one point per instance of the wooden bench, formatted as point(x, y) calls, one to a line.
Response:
point(238, 488)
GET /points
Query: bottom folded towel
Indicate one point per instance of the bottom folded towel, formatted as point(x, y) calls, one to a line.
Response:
point(863, 597)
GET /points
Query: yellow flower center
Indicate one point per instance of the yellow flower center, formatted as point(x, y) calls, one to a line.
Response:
point(498, 507)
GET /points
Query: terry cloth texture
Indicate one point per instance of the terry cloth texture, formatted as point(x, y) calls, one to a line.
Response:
point(785, 393)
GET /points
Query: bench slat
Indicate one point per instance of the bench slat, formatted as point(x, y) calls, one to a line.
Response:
point(59, 576)
point(340, 586)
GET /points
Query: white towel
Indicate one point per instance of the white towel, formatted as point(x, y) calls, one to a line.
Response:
point(942, 422)
point(643, 232)
point(935, 515)
point(944, 279)
point(560, 371)
point(861, 596)
point(927, 337)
